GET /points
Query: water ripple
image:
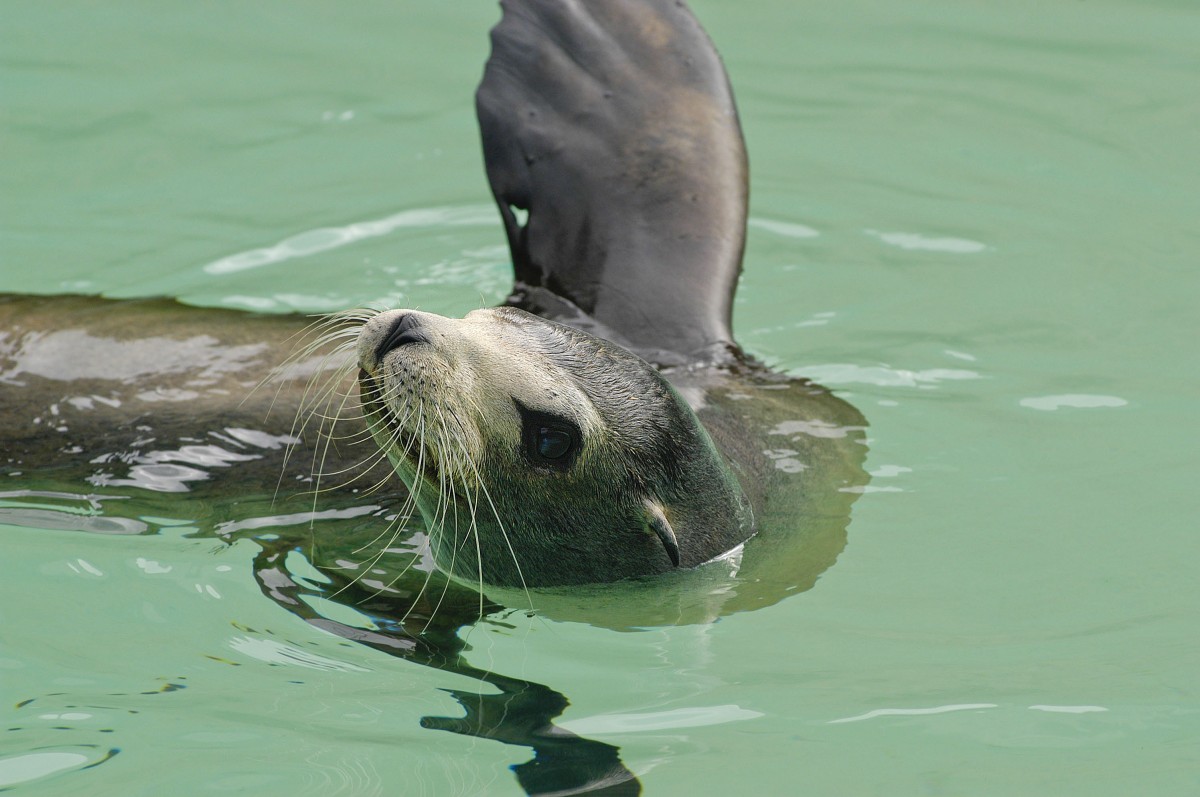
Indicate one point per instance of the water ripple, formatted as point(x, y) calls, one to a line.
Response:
point(1069, 709)
point(787, 229)
point(42, 509)
point(323, 239)
point(1073, 401)
point(914, 240)
point(660, 720)
point(909, 712)
point(26, 767)
point(883, 375)
point(271, 652)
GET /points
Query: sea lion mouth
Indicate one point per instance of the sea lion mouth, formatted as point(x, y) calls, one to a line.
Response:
point(394, 437)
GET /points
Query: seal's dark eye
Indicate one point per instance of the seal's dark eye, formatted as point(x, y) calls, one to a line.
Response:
point(548, 440)
point(553, 443)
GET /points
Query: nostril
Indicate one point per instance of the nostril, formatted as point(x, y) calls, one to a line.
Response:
point(407, 329)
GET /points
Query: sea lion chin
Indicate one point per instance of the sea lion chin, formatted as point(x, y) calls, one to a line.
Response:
point(540, 455)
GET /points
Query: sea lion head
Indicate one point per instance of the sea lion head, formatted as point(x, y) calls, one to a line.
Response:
point(540, 455)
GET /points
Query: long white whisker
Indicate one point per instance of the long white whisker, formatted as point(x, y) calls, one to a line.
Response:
point(446, 502)
point(496, 513)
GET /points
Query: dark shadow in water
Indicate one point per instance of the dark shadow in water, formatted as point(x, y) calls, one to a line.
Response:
point(522, 713)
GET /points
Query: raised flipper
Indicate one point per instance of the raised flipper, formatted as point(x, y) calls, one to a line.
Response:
point(613, 126)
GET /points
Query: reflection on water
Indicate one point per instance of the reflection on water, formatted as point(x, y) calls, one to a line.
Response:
point(46, 509)
point(418, 618)
point(320, 240)
point(913, 712)
point(1073, 401)
point(272, 652)
point(75, 355)
point(29, 767)
point(661, 720)
point(788, 229)
point(170, 471)
point(885, 376)
point(926, 243)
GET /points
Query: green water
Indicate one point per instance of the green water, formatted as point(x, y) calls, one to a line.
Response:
point(978, 223)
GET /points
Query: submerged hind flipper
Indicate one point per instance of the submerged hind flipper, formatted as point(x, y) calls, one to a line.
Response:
point(612, 125)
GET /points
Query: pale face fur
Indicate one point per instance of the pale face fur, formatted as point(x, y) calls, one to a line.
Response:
point(468, 411)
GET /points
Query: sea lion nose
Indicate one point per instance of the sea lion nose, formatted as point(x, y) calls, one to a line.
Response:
point(405, 330)
point(388, 331)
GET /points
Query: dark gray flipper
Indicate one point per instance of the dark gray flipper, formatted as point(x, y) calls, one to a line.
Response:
point(612, 123)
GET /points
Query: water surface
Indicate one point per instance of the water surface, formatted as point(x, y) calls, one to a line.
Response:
point(977, 223)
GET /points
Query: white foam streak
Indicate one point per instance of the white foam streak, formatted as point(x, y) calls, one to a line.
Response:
point(323, 239)
point(913, 712)
point(1072, 401)
point(660, 720)
point(784, 228)
point(913, 240)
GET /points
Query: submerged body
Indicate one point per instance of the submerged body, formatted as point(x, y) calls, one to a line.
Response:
point(156, 395)
point(152, 395)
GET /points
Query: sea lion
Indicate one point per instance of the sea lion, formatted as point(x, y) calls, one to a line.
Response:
point(547, 454)
point(613, 128)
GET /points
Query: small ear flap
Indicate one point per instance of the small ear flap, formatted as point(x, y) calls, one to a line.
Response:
point(657, 522)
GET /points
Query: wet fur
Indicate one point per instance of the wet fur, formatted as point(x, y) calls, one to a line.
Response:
point(450, 413)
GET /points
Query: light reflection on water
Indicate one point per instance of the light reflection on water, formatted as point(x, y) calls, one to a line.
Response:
point(884, 376)
point(320, 240)
point(58, 510)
